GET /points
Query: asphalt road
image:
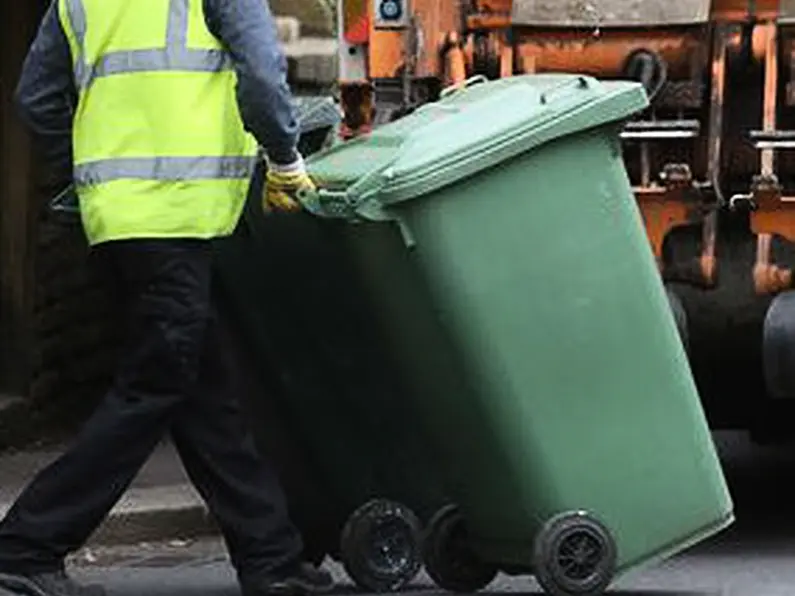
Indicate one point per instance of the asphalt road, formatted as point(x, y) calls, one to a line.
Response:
point(754, 558)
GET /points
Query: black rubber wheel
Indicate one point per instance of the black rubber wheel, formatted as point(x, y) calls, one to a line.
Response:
point(575, 555)
point(449, 559)
point(380, 546)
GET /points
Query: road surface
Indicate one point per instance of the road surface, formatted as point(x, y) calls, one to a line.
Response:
point(754, 558)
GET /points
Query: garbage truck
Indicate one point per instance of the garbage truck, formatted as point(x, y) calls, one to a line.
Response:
point(710, 160)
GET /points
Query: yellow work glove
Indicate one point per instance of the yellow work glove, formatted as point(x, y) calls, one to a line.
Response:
point(282, 184)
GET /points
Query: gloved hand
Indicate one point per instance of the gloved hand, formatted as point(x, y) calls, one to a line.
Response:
point(282, 184)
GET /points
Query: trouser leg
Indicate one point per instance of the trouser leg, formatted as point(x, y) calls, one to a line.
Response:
point(219, 453)
point(166, 285)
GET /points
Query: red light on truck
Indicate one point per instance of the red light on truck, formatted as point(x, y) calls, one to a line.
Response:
point(356, 22)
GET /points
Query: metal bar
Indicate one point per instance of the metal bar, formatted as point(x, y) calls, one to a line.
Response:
point(771, 89)
point(772, 135)
point(708, 261)
point(694, 125)
point(645, 165)
point(658, 135)
point(720, 44)
point(770, 145)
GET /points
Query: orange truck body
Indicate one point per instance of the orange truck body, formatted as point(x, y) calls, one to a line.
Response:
point(710, 160)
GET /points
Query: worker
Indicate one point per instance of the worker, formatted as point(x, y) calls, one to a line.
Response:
point(158, 112)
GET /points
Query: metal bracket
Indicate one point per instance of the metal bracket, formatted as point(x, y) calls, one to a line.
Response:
point(764, 140)
point(660, 130)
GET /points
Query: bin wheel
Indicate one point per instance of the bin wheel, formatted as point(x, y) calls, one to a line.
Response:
point(449, 560)
point(574, 555)
point(380, 546)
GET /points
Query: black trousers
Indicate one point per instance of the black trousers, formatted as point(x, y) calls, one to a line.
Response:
point(172, 376)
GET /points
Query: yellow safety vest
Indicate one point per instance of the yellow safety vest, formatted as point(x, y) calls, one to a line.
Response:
point(160, 150)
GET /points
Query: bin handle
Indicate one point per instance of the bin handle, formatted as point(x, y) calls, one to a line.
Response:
point(342, 203)
point(345, 202)
point(580, 81)
point(452, 89)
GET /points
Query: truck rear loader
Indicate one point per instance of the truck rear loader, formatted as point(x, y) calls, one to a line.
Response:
point(711, 161)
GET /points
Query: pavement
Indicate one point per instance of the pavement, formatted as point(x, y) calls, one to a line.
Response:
point(160, 505)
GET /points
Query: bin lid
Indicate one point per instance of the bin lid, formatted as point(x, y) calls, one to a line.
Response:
point(470, 129)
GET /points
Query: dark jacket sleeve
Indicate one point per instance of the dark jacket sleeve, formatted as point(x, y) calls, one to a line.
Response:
point(248, 31)
point(45, 95)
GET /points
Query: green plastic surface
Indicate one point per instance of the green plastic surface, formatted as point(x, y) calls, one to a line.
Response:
point(332, 388)
point(529, 320)
point(466, 132)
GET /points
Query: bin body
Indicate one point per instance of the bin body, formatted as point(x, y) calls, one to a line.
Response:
point(245, 287)
point(258, 391)
point(288, 280)
point(521, 303)
point(305, 319)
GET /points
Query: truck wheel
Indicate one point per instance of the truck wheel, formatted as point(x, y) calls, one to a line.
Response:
point(575, 555)
point(778, 346)
point(380, 546)
point(449, 559)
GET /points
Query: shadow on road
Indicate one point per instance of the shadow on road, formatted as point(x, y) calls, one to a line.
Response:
point(661, 593)
point(761, 484)
point(619, 593)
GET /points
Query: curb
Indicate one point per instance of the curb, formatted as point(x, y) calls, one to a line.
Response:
point(154, 515)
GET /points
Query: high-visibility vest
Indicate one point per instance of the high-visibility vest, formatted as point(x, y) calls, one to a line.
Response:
point(160, 150)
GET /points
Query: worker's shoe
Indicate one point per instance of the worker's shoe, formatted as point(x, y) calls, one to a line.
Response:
point(51, 583)
point(299, 580)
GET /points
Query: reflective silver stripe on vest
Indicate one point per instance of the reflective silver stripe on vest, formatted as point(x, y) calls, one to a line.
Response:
point(77, 17)
point(177, 28)
point(167, 169)
point(176, 56)
point(160, 60)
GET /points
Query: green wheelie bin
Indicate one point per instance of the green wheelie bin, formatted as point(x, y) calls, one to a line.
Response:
point(333, 390)
point(496, 236)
